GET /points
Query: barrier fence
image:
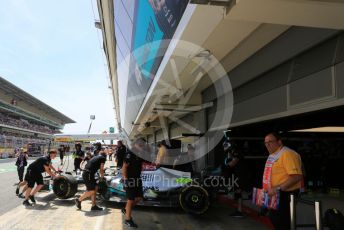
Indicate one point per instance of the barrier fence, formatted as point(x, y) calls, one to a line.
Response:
point(318, 225)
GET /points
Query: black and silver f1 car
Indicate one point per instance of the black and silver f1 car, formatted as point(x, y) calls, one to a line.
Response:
point(162, 187)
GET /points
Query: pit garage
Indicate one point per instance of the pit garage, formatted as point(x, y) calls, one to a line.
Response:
point(302, 99)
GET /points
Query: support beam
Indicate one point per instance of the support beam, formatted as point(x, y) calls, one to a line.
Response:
point(182, 108)
point(320, 14)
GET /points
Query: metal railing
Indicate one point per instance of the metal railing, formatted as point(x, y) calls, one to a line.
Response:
point(317, 212)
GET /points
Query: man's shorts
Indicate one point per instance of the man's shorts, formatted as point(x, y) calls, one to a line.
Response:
point(134, 189)
point(32, 177)
point(89, 180)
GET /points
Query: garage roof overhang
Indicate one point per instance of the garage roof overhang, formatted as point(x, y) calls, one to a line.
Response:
point(230, 33)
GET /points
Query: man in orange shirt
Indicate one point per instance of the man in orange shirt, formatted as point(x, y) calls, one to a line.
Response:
point(282, 174)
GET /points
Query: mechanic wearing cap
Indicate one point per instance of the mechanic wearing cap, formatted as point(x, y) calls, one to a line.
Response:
point(34, 175)
point(79, 156)
point(131, 172)
point(93, 165)
point(283, 174)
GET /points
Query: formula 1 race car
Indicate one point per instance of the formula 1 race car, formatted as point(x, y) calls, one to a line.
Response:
point(162, 187)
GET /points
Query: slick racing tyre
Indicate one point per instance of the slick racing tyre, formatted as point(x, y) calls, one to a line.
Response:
point(65, 186)
point(194, 199)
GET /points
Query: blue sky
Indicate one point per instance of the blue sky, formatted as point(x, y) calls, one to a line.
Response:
point(51, 49)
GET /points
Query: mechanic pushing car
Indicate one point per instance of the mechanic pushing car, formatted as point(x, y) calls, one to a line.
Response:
point(98, 148)
point(34, 175)
point(93, 165)
point(131, 172)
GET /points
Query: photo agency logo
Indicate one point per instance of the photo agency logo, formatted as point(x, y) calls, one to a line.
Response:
point(208, 182)
point(180, 86)
point(165, 181)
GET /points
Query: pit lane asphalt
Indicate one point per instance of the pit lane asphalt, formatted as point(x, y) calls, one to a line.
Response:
point(9, 177)
point(52, 213)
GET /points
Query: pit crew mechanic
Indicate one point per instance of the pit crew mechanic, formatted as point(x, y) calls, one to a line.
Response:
point(62, 153)
point(93, 165)
point(34, 175)
point(79, 156)
point(22, 158)
point(98, 148)
point(120, 153)
point(235, 168)
point(131, 172)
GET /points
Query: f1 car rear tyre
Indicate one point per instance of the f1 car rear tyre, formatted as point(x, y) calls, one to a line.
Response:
point(194, 199)
point(334, 219)
point(65, 186)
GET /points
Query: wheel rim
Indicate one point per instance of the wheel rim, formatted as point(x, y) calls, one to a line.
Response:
point(194, 198)
point(61, 188)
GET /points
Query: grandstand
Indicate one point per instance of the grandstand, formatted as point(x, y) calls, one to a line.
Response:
point(25, 120)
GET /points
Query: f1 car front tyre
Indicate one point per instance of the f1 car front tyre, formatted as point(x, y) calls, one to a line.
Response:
point(65, 186)
point(194, 199)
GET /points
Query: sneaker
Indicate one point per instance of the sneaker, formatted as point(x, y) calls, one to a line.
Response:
point(26, 203)
point(17, 190)
point(78, 203)
point(123, 211)
point(32, 198)
point(130, 223)
point(237, 214)
point(20, 195)
point(96, 208)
